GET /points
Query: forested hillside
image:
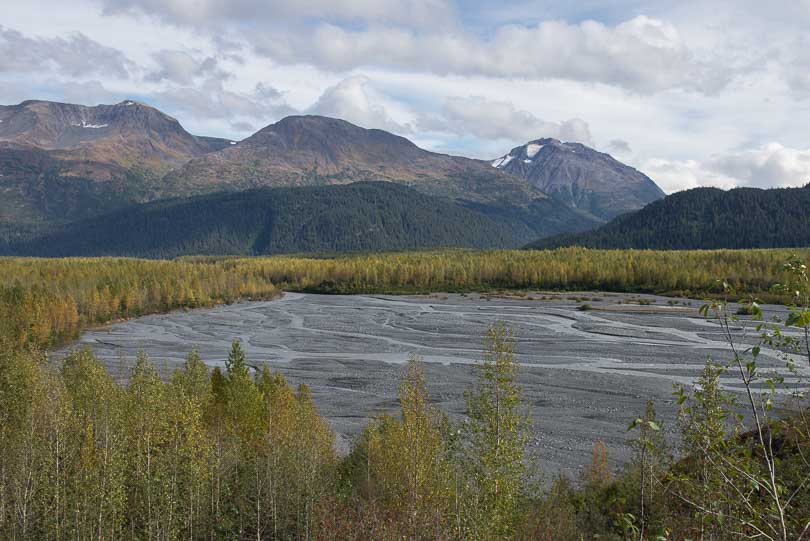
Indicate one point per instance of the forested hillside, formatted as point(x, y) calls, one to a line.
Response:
point(705, 218)
point(61, 163)
point(364, 216)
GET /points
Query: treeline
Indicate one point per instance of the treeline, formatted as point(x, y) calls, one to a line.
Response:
point(48, 301)
point(221, 456)
point(705, 218)
point(236, 455)
point(689, 273)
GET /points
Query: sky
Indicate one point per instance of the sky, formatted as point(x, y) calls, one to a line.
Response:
point(692, 93)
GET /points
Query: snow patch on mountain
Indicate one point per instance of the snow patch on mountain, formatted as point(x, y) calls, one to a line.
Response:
point(532, 149)
point(503, 161)
point(84, 124)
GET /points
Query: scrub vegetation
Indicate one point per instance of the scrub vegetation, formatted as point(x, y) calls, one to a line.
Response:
point(238, 453)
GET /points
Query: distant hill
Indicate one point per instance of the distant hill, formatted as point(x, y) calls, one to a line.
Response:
point(366, 216)
point(581, 177)
point(705, 218)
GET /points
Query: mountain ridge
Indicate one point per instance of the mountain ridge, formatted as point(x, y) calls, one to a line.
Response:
point(302, 150)
point(125, 134)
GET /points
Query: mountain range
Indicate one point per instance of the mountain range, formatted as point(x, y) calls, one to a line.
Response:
point(65, 164)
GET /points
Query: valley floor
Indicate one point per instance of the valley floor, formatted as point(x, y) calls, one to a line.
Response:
point(586, 373)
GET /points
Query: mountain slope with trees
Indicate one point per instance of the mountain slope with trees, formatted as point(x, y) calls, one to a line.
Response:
point(364, 216)
point(61, 162)
point(705, 218)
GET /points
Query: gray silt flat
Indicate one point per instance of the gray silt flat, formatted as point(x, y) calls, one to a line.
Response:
point(585, 374)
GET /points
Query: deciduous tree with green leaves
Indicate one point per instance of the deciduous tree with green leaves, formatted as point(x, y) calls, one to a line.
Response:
point(498, 431)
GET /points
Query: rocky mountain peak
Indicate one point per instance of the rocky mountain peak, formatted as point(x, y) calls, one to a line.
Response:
point(580, 176)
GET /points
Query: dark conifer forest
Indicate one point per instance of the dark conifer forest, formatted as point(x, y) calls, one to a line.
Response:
point(705, 218)
point(359, 217)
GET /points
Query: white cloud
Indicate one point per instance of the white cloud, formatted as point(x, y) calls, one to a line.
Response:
point(491, 119)
point(354, 99)
point(798, 74)
point(215, 12)
point(213, 106)
point(643, 54)
point(619, 147)
point(90, 92)
point(769, 166)
point(181, 67)
point(74, 56)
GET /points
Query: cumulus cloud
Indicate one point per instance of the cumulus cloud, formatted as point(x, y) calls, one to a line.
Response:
point(769, 166)
point(213, 101)
point(74, 56)
point(214, 12)
point(354, 99)
point(182, 68)
point(619, 146)
point(491, 119)
point(643, 54)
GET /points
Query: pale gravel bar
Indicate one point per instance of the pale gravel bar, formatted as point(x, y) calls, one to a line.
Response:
point(586, 374)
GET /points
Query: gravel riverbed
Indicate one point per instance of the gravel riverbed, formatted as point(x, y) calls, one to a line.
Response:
point(586, 373)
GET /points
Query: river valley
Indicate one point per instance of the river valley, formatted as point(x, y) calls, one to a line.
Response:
point(586, 373)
